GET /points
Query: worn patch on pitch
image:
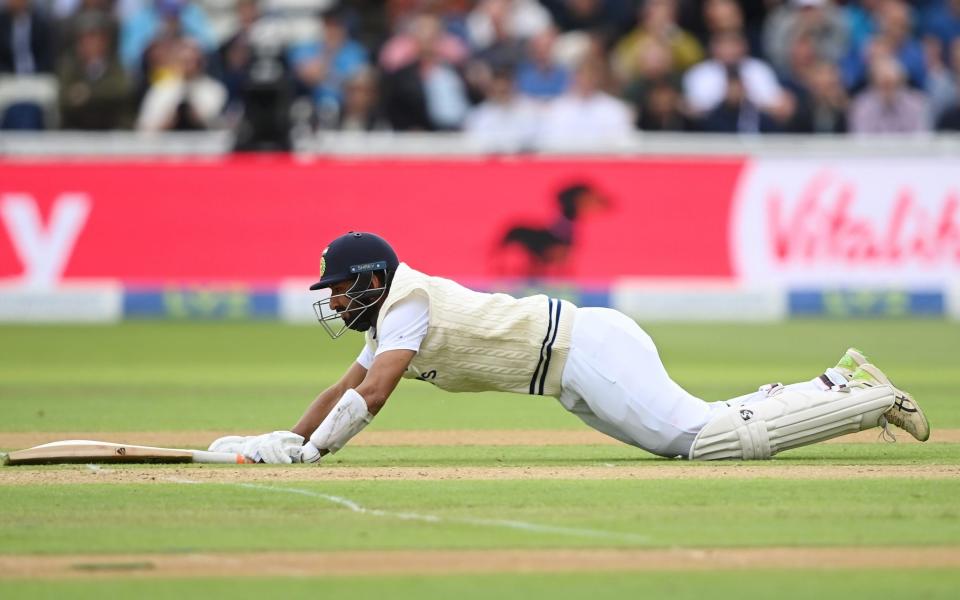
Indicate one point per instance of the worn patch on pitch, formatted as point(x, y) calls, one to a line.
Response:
point(65, 474)
point(443, 562)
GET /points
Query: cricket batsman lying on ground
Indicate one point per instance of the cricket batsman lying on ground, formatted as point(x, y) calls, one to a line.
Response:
point(597, 362)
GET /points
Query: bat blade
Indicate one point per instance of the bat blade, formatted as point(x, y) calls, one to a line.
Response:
point(91, 451)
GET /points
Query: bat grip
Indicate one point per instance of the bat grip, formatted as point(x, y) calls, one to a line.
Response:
point(219, 458)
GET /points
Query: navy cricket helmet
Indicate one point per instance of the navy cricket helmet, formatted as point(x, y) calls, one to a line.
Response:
point(354, 258)
point(354, 253)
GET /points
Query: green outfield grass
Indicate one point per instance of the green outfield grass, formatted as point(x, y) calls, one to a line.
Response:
point(166, 376)
point(850, 585)
point(175, 517)
point(176, 376)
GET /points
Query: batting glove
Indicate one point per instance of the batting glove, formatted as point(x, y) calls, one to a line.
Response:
point(279, 447)
point(231, 443)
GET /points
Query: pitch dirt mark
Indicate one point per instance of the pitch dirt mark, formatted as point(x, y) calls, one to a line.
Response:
point(466, 437)
point(443, 562)
point(55, 475)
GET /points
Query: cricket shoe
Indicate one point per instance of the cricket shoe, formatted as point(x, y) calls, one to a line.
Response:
point(837, 377)
point(905, 412)
point(850, 362)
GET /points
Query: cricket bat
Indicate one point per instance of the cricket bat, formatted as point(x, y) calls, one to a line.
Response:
point(89, 451)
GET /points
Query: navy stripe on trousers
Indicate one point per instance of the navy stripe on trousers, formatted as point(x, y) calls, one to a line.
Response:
point(545, 348)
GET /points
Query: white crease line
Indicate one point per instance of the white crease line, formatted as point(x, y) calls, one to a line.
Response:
point(521, 525)
point(409, 516)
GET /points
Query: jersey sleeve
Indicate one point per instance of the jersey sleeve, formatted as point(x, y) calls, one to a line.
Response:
point(365, 359)
point(405, 325)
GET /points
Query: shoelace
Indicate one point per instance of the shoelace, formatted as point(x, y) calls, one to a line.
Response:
point(885, 433)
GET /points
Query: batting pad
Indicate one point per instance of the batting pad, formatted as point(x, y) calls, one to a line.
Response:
point(789, 419)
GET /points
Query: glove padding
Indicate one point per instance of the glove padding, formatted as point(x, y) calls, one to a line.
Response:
point(279, 447)
point(231, 443)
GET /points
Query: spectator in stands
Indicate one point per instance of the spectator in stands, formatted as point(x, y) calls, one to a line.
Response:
point(95, 92)
point(942, 21)
point(726, 16)
point(117, 9)
point(657, 21)
point(893, 38)
point(736, 113)
point(586, 114)
point(66, 13)
point(404, 48)
point(162, 19)
point(861, 19)
point(608, 20)
point(517, 19)
point(360, 109)
point(430, 94)
point(942, 81)
point(539, 75)
point(823, 102)
point(705, 85)
point(815, 22)
point(505, 121)
point(184, 98)
point(236, 55)
point(888, 105)
point(322, 66)
point(755, 13)
point(655, 89)
point(369, 22)
point(949, 118)
point(501, 43)
point(27, 49)
point(801, 56)
point(453, 14)
point(27, 44)
point(664, 109)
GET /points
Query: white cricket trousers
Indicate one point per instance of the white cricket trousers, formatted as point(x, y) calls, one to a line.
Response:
point(614, 381)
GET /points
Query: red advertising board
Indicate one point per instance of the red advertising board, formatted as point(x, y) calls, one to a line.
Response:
point(262, 219)
point(785, 222)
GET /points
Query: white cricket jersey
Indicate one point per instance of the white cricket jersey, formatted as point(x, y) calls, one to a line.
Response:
point(404, 328)
point(475, 341)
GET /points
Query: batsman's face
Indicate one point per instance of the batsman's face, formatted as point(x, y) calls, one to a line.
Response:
point(353, 302)
point(339, 301)
point(345, 297)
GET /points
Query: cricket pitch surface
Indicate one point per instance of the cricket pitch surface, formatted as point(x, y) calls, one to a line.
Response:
point(465, 496)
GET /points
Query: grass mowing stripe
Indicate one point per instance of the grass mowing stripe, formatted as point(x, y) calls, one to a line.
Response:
point(166, 517)
point(867, 584)
point(236, 376)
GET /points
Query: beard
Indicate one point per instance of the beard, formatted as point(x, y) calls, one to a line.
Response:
point(361, 319)
point(357, 320)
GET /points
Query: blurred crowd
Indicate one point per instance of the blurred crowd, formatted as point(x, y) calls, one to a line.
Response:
point(515, 73)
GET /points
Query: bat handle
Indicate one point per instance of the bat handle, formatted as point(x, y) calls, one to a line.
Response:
point(220, 458)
